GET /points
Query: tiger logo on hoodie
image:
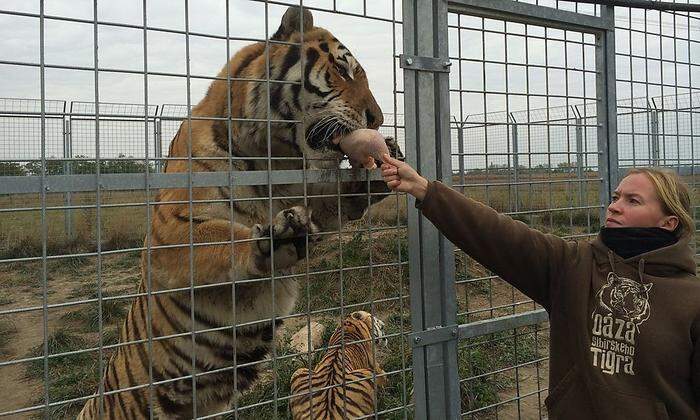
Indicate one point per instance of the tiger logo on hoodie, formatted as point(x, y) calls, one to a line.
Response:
point(622, 305)
point(625, 299)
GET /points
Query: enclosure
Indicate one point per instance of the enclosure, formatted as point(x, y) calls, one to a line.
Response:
point(534, 108)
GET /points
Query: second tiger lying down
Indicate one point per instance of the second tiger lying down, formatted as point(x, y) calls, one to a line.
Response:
point(342, 385)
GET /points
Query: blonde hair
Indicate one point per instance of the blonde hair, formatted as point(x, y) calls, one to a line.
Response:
point(673, 194)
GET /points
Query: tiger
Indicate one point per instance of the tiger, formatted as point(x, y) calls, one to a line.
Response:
point(343, 383)
point(201, 237)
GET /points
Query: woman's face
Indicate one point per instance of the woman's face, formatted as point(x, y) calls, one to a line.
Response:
point(635, 204)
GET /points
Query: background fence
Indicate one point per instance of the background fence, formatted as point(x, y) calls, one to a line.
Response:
point(539, 112)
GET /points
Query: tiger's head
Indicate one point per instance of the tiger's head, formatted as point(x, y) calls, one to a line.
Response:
point(373, 326)
point(329, 94)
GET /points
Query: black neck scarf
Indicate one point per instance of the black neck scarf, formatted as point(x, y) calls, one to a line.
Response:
point(629, 242)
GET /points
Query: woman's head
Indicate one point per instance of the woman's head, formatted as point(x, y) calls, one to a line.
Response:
point(651, 197)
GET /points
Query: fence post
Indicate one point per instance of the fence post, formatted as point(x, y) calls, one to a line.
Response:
point(606, 108)
point(157, 138)
point(655, 159)
point(433, 300)
point(516, 160)
point(68, 170)
point(460, 152)
point(579, 154)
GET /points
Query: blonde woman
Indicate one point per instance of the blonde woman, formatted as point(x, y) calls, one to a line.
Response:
point(624, 309)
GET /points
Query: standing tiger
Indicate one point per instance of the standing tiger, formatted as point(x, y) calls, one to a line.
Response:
point(313, 103)
point(342, 385)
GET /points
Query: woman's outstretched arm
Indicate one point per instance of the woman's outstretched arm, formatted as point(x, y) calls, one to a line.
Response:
point(527, 258)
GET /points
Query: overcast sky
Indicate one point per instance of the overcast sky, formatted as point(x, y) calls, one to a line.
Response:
point(71, 44)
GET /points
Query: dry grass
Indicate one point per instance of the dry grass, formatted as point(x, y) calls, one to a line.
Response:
point(339, 277)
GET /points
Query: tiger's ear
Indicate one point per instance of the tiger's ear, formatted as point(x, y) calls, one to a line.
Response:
point(291, 23)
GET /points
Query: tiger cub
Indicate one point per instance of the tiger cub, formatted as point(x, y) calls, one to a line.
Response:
point(342, 385)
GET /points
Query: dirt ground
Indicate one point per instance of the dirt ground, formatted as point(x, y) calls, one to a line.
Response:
point(21, 286)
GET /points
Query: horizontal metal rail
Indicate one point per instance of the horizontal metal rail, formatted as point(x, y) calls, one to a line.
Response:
point(139, 181)
point(530, 14)
point(666, 6)
point(504, 323)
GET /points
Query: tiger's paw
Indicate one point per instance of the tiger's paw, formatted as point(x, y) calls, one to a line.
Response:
point(285, 240)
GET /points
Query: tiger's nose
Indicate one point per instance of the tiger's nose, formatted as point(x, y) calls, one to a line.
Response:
point(374, 117)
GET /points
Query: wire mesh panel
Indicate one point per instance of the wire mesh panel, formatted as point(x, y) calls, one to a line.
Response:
point(190, 259)
point(657, 57)
point(524, 141)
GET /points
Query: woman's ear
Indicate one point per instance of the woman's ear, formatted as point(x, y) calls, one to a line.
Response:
point(669, 223)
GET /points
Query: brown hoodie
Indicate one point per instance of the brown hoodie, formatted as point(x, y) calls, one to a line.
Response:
point(624, 333)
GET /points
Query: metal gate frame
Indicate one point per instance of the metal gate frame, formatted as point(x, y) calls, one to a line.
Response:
point(426, 65)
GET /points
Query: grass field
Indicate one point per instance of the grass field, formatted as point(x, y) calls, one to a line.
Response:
point(485, 364)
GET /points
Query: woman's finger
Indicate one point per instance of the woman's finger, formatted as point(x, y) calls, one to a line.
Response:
point(390, 160)
point(393, 184)
point(389, 171)
point(391, 178)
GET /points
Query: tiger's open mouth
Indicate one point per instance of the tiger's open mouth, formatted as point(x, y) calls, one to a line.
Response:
point(326, 134)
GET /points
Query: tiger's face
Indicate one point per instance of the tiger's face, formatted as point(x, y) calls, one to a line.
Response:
point(330, 92)
point(375, 326)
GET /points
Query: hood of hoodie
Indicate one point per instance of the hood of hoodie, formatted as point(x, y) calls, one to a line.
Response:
point(667, 261)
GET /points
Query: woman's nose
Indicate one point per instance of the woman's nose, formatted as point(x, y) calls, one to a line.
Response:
point(614, 207)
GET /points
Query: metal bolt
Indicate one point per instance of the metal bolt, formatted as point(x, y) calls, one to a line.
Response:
point(417, 339)
point(454, 332)
point(409, 61)
point(447, 63)
point(47, 188)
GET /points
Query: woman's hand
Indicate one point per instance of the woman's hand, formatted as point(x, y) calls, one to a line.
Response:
point(399, 176)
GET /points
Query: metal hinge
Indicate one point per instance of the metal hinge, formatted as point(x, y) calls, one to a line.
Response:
point(413, 62)
point(433, 335)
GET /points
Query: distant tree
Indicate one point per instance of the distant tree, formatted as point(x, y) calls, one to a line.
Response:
point(567, 166)
point(125, 165)
point(53, 167)
point(12, 169)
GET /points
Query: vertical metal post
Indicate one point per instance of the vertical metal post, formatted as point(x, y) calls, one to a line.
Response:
point(516, 160)
point(68, 170)
point(579, 154)
point(460, 152)
point(606, 108)
point(158, 140)
point(655, 159)
point(433, 299)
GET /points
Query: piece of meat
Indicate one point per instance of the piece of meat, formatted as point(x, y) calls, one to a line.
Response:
point(363, 147)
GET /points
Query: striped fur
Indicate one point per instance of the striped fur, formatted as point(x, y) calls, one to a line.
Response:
point(335, 98)
point(343, 384)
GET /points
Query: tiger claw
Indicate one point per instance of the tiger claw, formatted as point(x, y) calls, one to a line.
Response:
point(286, 236)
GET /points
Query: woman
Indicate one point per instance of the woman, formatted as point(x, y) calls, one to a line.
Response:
point(624, 309)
